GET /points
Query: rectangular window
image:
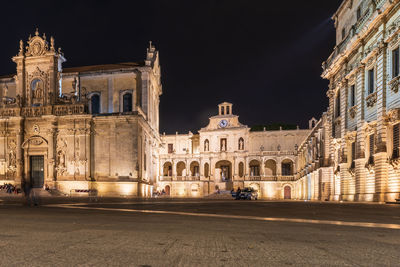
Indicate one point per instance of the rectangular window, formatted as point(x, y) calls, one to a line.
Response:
point(145, 162)
point(222, 110)
point(371, 81)
point(353, 154)
point(396, 140)
point(337, 105)
point(343, 33)
point(358, 13)
point(396, 62)
point(170, 148)
point(227, 111)
point(353, 95)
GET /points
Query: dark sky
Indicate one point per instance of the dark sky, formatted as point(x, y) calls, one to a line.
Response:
point(263, 56)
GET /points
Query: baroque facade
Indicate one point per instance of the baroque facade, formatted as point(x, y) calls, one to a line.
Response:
point(362, 125)
point(90, 127)
point(226, 155)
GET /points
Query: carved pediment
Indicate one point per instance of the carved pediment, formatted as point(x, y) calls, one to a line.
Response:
point(35, 140)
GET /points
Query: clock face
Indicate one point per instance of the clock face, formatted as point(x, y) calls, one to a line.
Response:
point(223, 123)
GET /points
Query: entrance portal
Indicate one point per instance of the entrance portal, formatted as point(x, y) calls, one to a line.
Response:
point(37, 171)
point(223, 170)
point(288, 192)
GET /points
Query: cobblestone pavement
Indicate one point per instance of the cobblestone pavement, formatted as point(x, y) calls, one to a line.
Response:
point(172, 232)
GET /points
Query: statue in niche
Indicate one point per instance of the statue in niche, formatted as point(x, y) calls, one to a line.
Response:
point(206, 145)
point(241, 144)
point(37, 88)
point(12, 160)
point(61, 156)
point(5, 90)
point(223, 146)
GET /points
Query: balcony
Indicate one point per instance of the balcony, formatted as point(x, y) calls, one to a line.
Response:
point(269, 178)
point(57, 110)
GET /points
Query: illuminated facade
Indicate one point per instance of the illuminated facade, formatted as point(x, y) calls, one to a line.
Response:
point(362, 125)
point(81, 128)
point(226, 155)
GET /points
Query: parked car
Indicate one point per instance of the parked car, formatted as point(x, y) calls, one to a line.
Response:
point(246, 193)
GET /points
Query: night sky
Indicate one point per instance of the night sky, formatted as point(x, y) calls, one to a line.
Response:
point(263, 56)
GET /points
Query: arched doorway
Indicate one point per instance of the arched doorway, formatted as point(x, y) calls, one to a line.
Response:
point(167, 169)
point(223, 168)
point(195, 169)
point(287, 167)
point(287, 192)
point(254, 168)
point(181, 169)
point(167, 190)
point(270, 167)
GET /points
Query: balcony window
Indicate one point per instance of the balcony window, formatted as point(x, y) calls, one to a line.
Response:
point(396, 62)
point(352, 95)
point(170, 148)
point(396, 141)
point(337, 106)
point(371, 81)
point(371, 148)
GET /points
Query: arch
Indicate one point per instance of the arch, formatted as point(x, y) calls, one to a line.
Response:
point(287, 192)
point(241, 169)
point(207, 170)
point(225, 170)
point(167, 169)
point(194, 169)
point(181, 168)
point(94, 103)
point(254, 166)
point(167, 190)
point(270, 167)
point(127, 101)
point(206, 145)
point(287, 167)
point(241, 144)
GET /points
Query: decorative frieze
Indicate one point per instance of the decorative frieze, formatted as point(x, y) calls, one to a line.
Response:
point(394, 84)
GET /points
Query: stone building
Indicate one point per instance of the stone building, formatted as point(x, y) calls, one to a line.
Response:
point(92, 127)
point(362, 125)
point(226, 155)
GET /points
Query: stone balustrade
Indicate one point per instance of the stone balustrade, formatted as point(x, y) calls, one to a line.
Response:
point(57, 110)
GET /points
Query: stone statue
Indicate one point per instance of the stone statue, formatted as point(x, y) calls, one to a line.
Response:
point(241, 144)
point(5, 90)
point(21, 48)
point(206, 146)
point(223, 146)
point(61, 157)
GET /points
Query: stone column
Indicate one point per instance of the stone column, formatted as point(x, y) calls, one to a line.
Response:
point(51, 155)
point(19, 155)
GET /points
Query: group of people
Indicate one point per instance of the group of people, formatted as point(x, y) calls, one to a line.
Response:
point(10, 189)
point(159, 193)
point(238, 191)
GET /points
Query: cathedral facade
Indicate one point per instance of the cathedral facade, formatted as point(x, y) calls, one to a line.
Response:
point(88, 128)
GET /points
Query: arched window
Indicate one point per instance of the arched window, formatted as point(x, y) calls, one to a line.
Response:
point(206, 145)
point(241, 143)
point(127, 102)
point(95, 104)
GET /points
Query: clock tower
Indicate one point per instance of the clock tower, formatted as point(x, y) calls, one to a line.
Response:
point(224, 120)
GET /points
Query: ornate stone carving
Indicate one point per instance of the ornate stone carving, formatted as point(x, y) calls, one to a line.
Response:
point(353, 112)
point(37, 46)
point(394, 84)
point(371, 99)
point(12, 160)
point(392, 116)
point(61, 167)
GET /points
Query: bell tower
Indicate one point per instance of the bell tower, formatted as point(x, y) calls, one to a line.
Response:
point(39, 68)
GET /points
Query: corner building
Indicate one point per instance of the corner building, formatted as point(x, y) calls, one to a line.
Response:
point(81, 128)
point(363, 119)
